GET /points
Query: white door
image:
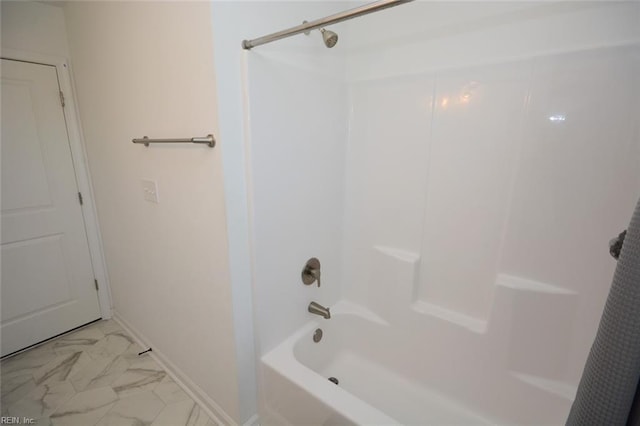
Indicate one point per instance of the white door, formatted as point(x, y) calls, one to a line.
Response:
point(47, 284)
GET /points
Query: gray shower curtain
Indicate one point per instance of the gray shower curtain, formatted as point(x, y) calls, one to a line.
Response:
point(608, 393)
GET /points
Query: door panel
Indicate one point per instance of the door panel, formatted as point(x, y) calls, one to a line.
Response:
point(21, 152)
point(40, 287)
point(47, 283)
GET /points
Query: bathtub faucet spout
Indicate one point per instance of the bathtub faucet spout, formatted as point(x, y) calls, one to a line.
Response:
point(318, 309)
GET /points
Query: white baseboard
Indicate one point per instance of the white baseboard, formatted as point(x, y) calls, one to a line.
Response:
point(212, 408)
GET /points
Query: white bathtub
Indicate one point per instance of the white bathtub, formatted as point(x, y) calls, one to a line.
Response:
point(360, 350)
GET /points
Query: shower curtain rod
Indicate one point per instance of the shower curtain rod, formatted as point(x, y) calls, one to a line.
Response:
point(322, 22)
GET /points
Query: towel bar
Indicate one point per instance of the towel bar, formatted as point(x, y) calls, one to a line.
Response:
point(209, 140)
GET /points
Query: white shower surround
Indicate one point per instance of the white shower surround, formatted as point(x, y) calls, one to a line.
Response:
point(443, 201)
point(419, 369)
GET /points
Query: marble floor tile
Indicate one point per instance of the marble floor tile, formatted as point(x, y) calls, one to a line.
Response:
point(99, 373)
point(94, 376)
point(27, 361)
point(135, 410)
point(170, 392)
point(85, 408)
point(78, 340)
point(141, 376)
point(147, 363)
point(183, 413)
point(109, 326)
point(43, 400)
point(131, 354)
point(113, 344)
point(61, 368)
point(15, 388)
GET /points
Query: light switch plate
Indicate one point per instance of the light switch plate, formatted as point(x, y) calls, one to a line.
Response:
point(150, 190)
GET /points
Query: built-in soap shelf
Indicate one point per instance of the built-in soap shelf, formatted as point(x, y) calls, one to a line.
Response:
point(525, 315)
point(394, 288)
point(503, 281)
point(523, 284)
point(470, 323)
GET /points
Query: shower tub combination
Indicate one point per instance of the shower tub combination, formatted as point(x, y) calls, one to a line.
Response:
point(377, 377)
point(393, 352)
point(423, 365)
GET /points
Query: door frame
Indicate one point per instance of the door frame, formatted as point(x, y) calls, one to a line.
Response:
point(79, 159)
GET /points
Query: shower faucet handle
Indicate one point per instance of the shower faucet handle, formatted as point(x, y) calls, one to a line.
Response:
point(316, 274)
point(311, 272)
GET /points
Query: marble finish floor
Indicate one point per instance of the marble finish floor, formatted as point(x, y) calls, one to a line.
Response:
point(94, 376)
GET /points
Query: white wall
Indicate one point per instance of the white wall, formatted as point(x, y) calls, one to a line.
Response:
point(297, 153)
point(426, 36)
point(34, 27)
point(290, 148)
point(146, 68)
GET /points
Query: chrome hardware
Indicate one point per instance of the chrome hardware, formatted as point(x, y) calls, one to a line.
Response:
point(317, 335)
point(311, 272)
point(329, 37)
point(318, 309)
point(322, 22)
point(209, 140)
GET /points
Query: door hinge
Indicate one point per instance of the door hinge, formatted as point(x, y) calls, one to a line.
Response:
point(80, 198)
point(96, 283)
point(62, 99)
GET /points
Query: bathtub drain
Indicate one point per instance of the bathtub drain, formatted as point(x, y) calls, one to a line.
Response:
point(333, 380)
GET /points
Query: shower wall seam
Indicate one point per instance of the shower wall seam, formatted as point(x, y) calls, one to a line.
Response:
point(425, 207)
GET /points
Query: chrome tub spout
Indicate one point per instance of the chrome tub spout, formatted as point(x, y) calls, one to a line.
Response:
point(318, 309)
